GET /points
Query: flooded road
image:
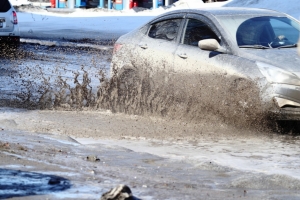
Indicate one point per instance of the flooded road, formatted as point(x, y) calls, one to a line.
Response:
point(157, 157)
point(36, 72)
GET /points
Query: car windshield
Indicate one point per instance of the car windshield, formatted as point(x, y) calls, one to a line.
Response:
point(262, 31)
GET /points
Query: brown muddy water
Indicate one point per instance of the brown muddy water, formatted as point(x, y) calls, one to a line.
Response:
point(67, 78)
point(157, 158)
point(158, 137)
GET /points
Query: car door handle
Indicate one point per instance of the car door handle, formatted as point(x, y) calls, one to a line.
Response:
point(143, 46)
point(183, 55)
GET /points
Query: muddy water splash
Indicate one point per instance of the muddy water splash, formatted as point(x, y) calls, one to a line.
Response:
point(145, 87)
point(55, 77)
point(142, 90)
point(187, 97)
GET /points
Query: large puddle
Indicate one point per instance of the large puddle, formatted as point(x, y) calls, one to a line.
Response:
point(221, 162)
point(68, 92)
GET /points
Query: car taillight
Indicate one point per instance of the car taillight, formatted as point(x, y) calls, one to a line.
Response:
point(117, 47)
point(15, 18)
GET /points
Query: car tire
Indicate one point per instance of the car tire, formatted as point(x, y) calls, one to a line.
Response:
point(287, 127)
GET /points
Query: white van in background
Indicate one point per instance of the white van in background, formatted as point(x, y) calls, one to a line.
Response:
point(9, 28)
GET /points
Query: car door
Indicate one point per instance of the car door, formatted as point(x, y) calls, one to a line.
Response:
point(189, 58)
point(157, 47)
point(203, 75)
point(200, 74)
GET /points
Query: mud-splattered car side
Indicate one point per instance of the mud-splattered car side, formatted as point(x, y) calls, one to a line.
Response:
point(236, 63)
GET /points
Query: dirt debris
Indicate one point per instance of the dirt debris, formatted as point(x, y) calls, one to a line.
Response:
point(121, 192)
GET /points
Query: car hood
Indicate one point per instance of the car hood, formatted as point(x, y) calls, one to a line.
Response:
point(285, 58)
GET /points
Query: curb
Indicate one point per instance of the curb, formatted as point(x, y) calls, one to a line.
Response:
point(62, 10)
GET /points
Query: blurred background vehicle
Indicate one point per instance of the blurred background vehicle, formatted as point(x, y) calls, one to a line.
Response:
point(9, 29)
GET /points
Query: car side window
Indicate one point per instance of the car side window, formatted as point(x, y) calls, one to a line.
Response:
point(197, 30)
point(166, 30)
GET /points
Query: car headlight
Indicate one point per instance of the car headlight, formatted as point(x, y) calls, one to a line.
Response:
point(277, 75)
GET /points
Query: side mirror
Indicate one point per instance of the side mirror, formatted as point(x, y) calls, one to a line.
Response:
point(211, 45)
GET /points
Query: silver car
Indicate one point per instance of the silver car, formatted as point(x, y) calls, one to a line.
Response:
point(240, 63)
point(9, 29)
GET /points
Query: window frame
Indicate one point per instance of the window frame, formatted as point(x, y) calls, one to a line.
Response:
point(201, 33)
point(205, 20)
point(165, 18)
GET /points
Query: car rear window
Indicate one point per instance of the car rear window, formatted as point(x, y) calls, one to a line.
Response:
point(4, 6)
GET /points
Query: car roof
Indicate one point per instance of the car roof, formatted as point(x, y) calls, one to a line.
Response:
point(229, 11)
point(241, 11)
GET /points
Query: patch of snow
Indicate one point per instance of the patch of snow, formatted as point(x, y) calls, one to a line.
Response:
point(19, 2)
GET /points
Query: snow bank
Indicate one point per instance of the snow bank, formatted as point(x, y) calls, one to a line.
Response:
point(291, 7)
point(19, 2)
